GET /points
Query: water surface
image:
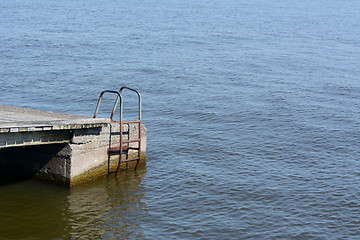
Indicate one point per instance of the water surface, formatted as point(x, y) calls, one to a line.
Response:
point(251, 108)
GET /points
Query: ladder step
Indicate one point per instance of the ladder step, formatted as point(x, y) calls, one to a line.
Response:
point(133, 148)
point(135, 121)
point(117, 149)
point(124, 148)
point(129, 160)
point(132, 140)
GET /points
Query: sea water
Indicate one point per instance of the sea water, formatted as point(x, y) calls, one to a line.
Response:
point(251, 108)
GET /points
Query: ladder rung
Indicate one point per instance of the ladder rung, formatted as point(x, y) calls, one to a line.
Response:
point(133, 148)
point(124, 148)
point(131, 141)
point(135, 121)
point(117, 149)
point(129, 160)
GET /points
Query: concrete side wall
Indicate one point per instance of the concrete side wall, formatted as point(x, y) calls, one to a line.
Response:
point(82, 158)
point(89, 158)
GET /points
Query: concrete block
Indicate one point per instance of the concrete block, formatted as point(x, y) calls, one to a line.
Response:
point(67, 156)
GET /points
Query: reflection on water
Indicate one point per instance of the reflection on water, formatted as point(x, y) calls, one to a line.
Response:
point(109, 208)
point(102, 209)
point(37, 208)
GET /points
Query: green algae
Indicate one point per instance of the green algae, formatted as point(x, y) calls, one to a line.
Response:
point(92, 174)
point(103, 170)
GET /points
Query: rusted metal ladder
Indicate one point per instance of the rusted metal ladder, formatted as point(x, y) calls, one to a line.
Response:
point(124, 145)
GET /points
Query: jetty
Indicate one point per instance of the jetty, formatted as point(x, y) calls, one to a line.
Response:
point(68, 148)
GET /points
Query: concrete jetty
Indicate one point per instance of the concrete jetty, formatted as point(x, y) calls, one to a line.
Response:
point(63, 148)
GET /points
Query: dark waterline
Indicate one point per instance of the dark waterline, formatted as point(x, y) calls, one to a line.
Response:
point(251, 108)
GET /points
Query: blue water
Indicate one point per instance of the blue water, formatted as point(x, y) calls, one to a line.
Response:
point(251, 108)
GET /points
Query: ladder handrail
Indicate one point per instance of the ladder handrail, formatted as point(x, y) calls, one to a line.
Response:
point(121, 123)
point(117, 100)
